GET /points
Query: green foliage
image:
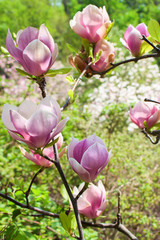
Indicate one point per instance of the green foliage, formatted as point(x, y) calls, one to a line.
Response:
point(154, 29)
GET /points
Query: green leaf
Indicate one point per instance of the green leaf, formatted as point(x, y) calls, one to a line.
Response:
point(108, 30)
point(11, 232)
point(146, 47)
point(51, 143)
point(4, 51)
point(70, 94)
point(154, 29)
point(98, 55)
point(70, 79)
point(91, 52)
point(16, 213)
point(35, 167)
point(23, 73)
point(71, 48)
point(53, 73)
point(66, 223)
point(85, 44)
point(72, 219)
point(64, 193)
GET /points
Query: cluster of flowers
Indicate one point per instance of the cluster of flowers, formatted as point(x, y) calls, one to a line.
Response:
point(94, 24)
point(145, 115)
point(37, 126)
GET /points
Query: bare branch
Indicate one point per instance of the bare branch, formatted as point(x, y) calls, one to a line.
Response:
point(30, 186)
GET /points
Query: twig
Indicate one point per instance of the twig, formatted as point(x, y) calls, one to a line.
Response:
point(82, 190)
point(119, 218)
point(150, 100)
point(147, 135)
point(146, 40)
point(32, 181)
point(75, 85)
point(43, 212)
point(42, 85)
point(120, 228)
point(73, 200)
point(136, 59)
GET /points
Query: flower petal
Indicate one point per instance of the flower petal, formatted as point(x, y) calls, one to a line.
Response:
point(6, 116)
point(14, 52)
point(127, 32)
point(27, 108)
point(41, 123)
point(71, 147)
point(82, 173)
point(52, 103)
point(142, 28)
point(45, 37)
point(60, 126)
point(37, 57)
point(28, 35)
point(94, 158)
point(19, 123)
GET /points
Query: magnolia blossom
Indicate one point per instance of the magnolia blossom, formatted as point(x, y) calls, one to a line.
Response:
point(91, 23)
point(132, 38)
point(41, 161)
point(144, 113)
point(107, 56)
point(93, 200)
point(34, 125)
point(35, 51)
point(88, 157)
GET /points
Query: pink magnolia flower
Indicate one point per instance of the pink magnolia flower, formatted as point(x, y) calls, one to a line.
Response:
point(35, 51)
point(34, 125)
point(41, 161)
point(91, 23)
point(132, 39)
point(88, 157)
point(107, 56)
point(144, 112)
point(93, 200)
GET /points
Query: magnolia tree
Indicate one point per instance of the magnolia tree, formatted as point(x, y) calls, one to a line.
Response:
point(39, 127)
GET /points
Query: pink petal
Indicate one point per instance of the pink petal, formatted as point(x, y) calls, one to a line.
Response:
point(93, 196)
point(124, 43)
point(60, 126)
point(41, 123)
point(18, 138)
point(94, 158)
point(71, 147)
point(19, 123)
point(134, 42)
point(37, 57)
point(82, 204)
point(45, 37)
point(127, 32)
point(6, 116)
point(153, 119)
point(142, 28)
point(82, 173)
point(27, 108)
point(54, 54)
point(77, 27)
point(92, 16)
point(28, 35)
point(52, 103)
point(14, 52)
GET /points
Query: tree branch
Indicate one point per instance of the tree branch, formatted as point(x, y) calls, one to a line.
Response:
point(120, 227)
point(146, 40)
point(32, 181)
point(136, 59)
point(73, 200)
point(75, 85)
